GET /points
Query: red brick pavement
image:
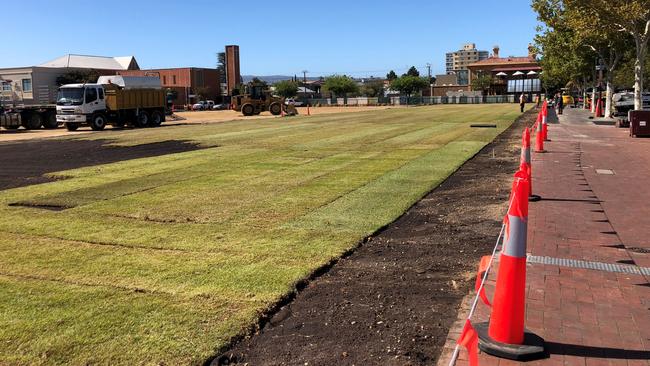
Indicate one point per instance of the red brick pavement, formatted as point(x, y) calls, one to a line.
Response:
point(588, 317)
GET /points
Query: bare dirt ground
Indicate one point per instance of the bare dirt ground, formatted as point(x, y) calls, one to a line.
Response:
point(18, 166)
point(392, 300)
point(180, 118)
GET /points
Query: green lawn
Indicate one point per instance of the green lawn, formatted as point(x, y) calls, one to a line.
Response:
point(164, 259)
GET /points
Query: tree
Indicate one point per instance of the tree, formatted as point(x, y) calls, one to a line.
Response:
point(408, 84)
point(78, 76)
point(374, 88)
point(202, 93)
point(259, 82)
point(413, 72)
point(482, 82)
point(606, 42)
point(221, 66)
point(391, 75)
point(340, 85)
point(629, 16)
point(286, 88)
point(564, 58)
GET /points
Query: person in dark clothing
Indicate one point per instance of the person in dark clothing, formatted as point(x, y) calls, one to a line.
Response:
point(560, 104)
point(522, 102)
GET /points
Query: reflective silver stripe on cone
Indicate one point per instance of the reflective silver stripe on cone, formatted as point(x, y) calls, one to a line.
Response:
point(525, 154)
point(514, 244)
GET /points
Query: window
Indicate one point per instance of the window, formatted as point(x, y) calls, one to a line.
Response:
point(164, 80)
point(27, 85)
point(101, 93)
point(91, 95)
point(174, 79)
point(6, 86)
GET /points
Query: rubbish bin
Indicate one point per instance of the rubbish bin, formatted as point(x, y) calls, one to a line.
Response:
point(639, 123)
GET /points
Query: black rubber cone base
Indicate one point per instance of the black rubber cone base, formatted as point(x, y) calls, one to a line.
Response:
point(531, 349)
point(534, 198)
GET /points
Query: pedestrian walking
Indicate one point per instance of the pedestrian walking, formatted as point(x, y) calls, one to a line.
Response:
point(560, 104)
point(538, 99)
point(522, 102)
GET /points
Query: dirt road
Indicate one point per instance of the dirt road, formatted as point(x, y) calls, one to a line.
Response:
point(180, 118)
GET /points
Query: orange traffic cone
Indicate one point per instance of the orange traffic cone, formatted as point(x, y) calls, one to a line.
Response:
point(545, 122)
point(526, 165)
point(504, 335)
point(539, 137)
point(599, 108)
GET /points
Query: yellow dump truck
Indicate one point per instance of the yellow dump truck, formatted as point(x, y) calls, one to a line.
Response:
point(116, 100)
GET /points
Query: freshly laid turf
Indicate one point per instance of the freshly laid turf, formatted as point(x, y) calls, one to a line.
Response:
point(165, 259)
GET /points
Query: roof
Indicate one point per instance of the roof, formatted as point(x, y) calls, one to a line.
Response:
point(504, 61)
point(517, 68)
point(94, 62)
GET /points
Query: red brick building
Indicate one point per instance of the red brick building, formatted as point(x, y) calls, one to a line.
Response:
point(188, 82)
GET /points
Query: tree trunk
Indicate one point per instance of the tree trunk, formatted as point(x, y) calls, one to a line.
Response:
point(638, 73)
point(593, 99)
point(608, 96)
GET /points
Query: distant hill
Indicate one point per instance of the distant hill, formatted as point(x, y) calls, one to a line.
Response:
point(273, 78)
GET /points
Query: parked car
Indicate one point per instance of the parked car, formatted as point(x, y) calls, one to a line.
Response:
point(291, 101)
point(200, 106)
point(209, 104)
point(219, 107)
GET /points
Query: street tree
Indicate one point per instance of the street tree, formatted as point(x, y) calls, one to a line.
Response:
point(391, 75)
point(409, 84)
point(286, 88)
point(607, 42)
point(631, 17)
point(566, 61)
point(340, 85)
point(221, 66)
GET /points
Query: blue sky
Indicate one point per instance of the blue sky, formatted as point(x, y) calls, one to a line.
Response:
point(359, 38)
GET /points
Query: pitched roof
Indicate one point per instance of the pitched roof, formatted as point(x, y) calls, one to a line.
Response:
point(504, 61)
point(94, 62)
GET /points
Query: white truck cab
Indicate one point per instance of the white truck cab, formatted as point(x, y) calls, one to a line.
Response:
point(78, 102)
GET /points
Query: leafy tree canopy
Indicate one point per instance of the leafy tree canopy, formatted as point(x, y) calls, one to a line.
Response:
point(409, 84)
point(391, 75)
point(286, 88)
point(412, 72)
point(340, 85)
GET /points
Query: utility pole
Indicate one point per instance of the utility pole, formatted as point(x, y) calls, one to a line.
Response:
point(304, 82)
point(430, 83)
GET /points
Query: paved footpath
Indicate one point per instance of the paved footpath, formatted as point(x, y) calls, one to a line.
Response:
point(595, 184)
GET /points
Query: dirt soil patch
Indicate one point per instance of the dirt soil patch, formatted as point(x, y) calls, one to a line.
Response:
point(392, 300)
point(25, 163)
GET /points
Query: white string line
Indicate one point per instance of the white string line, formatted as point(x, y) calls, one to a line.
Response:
point(454, 356)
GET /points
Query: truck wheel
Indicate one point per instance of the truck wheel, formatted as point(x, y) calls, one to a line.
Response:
point(156, 119)
point(33, 122)
point(72, 126)
point(143, 119)
point(275, 109)
point(247, 109)
point(98, 122)
point(50, 121)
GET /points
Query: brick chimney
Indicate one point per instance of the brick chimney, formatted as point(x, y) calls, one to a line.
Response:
point(495, 51)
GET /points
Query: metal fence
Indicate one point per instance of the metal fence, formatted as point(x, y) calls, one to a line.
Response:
point(415, 100)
